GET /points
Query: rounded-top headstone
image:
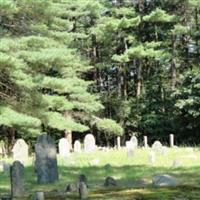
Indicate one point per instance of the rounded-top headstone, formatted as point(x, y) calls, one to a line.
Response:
point(89, 143)
point(64, 147)
point(134, 141)
point(20, 151)
point(17, 179)
point(77, 146)
point(157, 145)
point(46, 160)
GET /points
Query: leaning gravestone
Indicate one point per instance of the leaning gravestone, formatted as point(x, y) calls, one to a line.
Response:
point(20, 151)
point(64, 148)
point(89, 143)
point(46, 160)
point(77, 146)
point(134, 142)
point(17, 182)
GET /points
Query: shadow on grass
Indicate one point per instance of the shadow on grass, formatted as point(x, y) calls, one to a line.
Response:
point(133, 182)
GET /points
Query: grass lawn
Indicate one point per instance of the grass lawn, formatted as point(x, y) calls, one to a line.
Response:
point(133, 175)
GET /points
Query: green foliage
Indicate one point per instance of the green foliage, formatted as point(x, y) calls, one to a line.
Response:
point(109, 127)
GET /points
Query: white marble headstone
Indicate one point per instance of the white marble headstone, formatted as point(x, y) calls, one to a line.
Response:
point(64, 147)
point(134, 141)
point(77, 146)
point(20, 151)
point(157, 146)
point(89, 143)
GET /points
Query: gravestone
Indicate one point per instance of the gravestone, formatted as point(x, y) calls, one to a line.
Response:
point(46, 160)
point(83, 191)
point(164, 151)
point(110, 181)
point(176, 163)
point(89, 143)
point(164, 180)
point(77, 146)
point(17, 180)
point(20, 151)
point(134, 142)
point(64, 148)
point(118, 142)
point(157, 146)
point(130, 153)
point(38, 196)
point(94, 162)
point(152, 157)
point(145, 142)
point(171, 140)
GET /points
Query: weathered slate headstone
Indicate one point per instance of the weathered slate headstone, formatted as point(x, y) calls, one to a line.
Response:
point(77, 146)
point(110, 181)
point(17, 179)
point(89, 143)
point(83, 191)
point(134, 141)
point(38, 196)
point(46, 160)
point(171, 140)
point(64, 147)
point(20, 151)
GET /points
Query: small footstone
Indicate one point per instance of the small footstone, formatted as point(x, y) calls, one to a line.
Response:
point(107, 166)
point(38, 196)
point(83, 191)
point(110, 181)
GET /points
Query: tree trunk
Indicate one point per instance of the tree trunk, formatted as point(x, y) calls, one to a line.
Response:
point(68, 136)
point(173, 64)
point(139, 80)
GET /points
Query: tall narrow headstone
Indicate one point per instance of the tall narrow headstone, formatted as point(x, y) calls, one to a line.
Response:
point(46, 160)
point(171, 140)
point(145, 142)
point(17, 179)
point(89, 143)
point(64, 147)
point(77, 146)
point(20, 151)
point(118, 142)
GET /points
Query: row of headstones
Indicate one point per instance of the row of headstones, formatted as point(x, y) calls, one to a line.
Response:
point(20, 148)
point(45, 164)
point(133, 142)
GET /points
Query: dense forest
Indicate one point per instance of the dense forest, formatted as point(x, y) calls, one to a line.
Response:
point(111, 68)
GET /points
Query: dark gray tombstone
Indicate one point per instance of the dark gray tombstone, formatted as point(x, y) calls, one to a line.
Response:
point(83, 191)
point(46, 160)
point(38, 196)
point(17, 181)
